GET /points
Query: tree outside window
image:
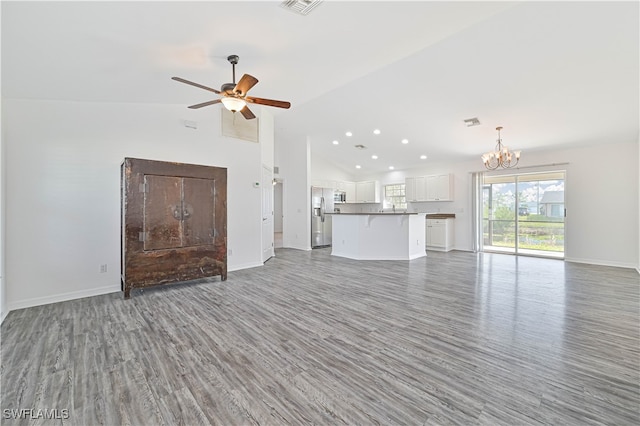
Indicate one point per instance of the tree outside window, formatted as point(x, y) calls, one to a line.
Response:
point(394, 195)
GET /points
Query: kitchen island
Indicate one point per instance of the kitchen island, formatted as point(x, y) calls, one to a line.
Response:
point(379, 236)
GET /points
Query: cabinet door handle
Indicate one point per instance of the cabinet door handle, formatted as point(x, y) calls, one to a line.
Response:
point(187, 211)
point(177, 214)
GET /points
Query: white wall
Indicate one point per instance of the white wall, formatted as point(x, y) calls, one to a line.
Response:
point(3, 299)
point(294, 160)
point(320, 168)
point(265, 135)
point(63, 189)
point(602, 200)
point(602, 206)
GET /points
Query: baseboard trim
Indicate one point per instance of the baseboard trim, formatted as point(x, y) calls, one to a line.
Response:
point(297, 248)
point(601, 263)
point(244, 266)
point(62, 297)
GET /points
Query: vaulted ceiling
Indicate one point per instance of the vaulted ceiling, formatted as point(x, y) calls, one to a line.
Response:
point(554, 74)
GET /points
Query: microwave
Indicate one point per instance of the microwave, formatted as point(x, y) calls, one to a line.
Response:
point(339, 197)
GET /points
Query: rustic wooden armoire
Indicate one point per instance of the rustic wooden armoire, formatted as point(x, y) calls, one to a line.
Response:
point(174, 223)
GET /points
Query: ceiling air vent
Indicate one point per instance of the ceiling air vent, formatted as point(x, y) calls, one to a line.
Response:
point(301, 7)
point(470, 122)
point(360, 147)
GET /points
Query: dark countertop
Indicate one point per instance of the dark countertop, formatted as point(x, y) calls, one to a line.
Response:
point(369, 214)
point(441, 216)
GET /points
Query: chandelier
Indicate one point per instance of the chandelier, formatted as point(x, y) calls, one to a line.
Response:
point(501, 157)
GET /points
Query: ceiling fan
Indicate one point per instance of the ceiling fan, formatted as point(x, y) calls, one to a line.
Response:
point(234, 95)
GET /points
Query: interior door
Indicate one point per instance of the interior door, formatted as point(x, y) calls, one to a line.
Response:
point(267, 213)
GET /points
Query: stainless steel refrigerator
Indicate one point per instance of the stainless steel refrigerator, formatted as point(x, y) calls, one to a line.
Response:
point(321, 204)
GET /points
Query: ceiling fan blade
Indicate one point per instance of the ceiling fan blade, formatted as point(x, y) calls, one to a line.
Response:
point(246, 82)
point(268, 102)
point(182, 80)
point(204, 104)
point(246, 112)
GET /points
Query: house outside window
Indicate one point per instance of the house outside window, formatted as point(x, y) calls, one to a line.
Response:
point(552, 204)
point(394, 195)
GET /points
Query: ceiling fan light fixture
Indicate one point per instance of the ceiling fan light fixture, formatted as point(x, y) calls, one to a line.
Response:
point(233, 104)
point(233, 95)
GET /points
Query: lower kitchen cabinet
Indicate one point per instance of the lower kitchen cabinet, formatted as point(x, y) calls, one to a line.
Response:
point(439, 234)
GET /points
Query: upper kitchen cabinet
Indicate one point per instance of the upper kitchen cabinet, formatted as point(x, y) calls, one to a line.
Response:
point(416, 188)
point(429, 188)
point(439, 188)
point(350, 191)
point(367, 192)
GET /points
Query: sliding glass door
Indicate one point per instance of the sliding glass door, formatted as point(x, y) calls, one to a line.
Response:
point(524, 214)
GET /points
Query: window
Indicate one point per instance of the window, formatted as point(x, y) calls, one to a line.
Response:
point(524, 213)
point(394, 195)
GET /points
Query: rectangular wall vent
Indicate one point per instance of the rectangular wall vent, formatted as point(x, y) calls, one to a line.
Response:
point(470, 122)
point(301, 7)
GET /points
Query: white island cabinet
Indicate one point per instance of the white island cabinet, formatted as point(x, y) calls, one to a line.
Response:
point(439, 234)
point(378, 236)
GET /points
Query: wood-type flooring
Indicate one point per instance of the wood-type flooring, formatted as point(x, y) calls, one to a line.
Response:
point(309, 338)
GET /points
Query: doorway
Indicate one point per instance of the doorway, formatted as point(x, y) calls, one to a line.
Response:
point(267, 213)
point(278, 213)
point(524, 214)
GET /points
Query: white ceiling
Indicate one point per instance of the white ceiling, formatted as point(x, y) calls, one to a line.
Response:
point(554, 74)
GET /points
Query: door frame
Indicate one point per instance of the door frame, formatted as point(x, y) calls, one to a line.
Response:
point(266, 225)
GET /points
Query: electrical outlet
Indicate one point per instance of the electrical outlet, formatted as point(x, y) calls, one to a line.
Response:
point(103, 268)
point(229, 252)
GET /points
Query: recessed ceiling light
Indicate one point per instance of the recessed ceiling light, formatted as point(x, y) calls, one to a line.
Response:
point(349, 134)
point(358, 166)
point(375, 157)
point(423, 157)
point(336, 142)
point(405, 141)
point(391, 167)
point(376, 132)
